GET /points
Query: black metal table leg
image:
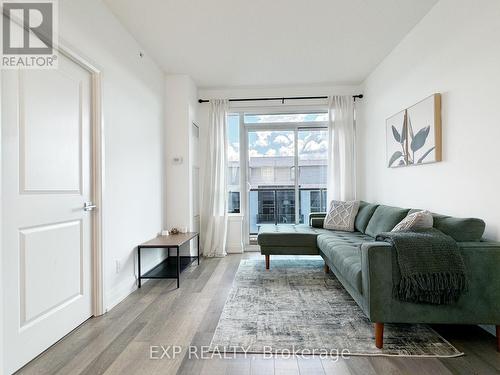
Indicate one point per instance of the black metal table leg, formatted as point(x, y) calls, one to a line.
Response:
point(178, 266)
point(139, 265)
point(165, 269)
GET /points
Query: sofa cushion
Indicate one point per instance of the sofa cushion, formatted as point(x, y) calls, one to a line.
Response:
point(461, 230)
point(344, 254)
point(384, 219)
point(287, 235)
point(317, 215)
point(341, 215)
point(415, 220)
point(364, 215)
point(328, 237)
point(349, 265)
point(317, 222)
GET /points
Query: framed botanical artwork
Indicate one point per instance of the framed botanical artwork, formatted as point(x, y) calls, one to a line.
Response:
point(414, 134)
point(396, 134)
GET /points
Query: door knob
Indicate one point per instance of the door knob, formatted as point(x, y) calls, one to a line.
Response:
point(88, 206)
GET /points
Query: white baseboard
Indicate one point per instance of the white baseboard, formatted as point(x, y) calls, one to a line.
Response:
point(234, 249)
point(252, 248)
point(119, 294)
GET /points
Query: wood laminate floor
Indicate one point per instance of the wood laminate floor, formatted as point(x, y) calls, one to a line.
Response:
point(158, 314)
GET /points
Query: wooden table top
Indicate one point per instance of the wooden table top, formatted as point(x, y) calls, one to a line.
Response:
point(171, 240)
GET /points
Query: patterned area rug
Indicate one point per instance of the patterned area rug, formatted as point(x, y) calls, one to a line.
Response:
point(295, 307)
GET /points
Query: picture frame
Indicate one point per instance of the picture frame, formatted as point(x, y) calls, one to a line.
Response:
point(414, 135)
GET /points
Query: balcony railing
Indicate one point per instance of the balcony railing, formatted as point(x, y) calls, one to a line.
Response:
point(277, 219)
point(277, 205)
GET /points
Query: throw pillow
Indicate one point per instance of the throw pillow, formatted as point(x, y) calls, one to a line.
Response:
point(416, 220)
point(341, 215)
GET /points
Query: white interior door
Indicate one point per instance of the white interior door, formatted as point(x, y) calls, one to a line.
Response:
point(46, 234)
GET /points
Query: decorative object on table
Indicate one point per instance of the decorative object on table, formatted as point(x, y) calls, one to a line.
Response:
point(296, 307)
point(413, 136)
point(341, 215)
point(174, 231)
point(165, 232)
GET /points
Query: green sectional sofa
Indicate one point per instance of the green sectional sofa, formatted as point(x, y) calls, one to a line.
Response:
point(364, 266)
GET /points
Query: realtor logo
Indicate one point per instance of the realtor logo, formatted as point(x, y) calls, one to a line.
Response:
point(29, 29)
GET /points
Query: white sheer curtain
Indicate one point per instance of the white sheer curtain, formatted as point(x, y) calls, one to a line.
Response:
point(341, 149)
point(214, 214)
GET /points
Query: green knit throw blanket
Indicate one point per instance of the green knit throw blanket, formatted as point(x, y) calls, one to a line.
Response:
point(427, 266)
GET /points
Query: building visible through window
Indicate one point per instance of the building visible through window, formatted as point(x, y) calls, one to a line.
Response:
point(233, 168)
point(286, 160)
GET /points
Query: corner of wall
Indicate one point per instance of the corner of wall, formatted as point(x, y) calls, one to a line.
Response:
point(118, 294)
point(181, 112)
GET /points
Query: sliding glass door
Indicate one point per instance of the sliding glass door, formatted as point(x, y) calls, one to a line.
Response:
point(286, 173)
point(271, 177)
point(312, 166)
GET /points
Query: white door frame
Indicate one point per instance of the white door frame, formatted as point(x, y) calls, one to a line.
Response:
point(97, 290)
point(2, 368)
point(97, 142)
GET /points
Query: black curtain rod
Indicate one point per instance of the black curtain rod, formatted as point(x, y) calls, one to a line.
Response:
point(360, 96)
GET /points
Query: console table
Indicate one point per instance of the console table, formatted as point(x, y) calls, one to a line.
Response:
point(168, 268)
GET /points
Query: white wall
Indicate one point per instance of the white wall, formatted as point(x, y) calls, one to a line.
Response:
point(234, 238)
point(180, 113)
point(454, 50)
point(133, 92)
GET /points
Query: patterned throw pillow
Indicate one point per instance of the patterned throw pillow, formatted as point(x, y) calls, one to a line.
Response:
point(341, 215)
point(416, 220)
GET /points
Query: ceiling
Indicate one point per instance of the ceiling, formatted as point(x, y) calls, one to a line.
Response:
point(235, 43)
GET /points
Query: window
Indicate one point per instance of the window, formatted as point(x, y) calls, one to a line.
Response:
point(312, 160)
point(318, 200)
point(234, 202)
point(272, 187)
point(285, 118)
point(285, 159)
point(267, 174)
point(287, 167)
point(233, 160)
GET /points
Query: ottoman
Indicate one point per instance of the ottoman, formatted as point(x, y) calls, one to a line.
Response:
point(287, 239)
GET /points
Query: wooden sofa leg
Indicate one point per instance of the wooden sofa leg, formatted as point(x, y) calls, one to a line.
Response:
point(327, 269)
point(379, 335)
point(267, 262)
point(498, 338)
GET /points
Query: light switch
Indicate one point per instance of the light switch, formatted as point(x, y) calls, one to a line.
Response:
point(177, 160)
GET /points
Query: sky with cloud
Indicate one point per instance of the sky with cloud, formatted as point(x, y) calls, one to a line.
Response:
point(312, 144)
point(289, 117)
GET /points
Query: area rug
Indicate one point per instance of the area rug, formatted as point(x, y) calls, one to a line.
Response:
point(296, 308)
